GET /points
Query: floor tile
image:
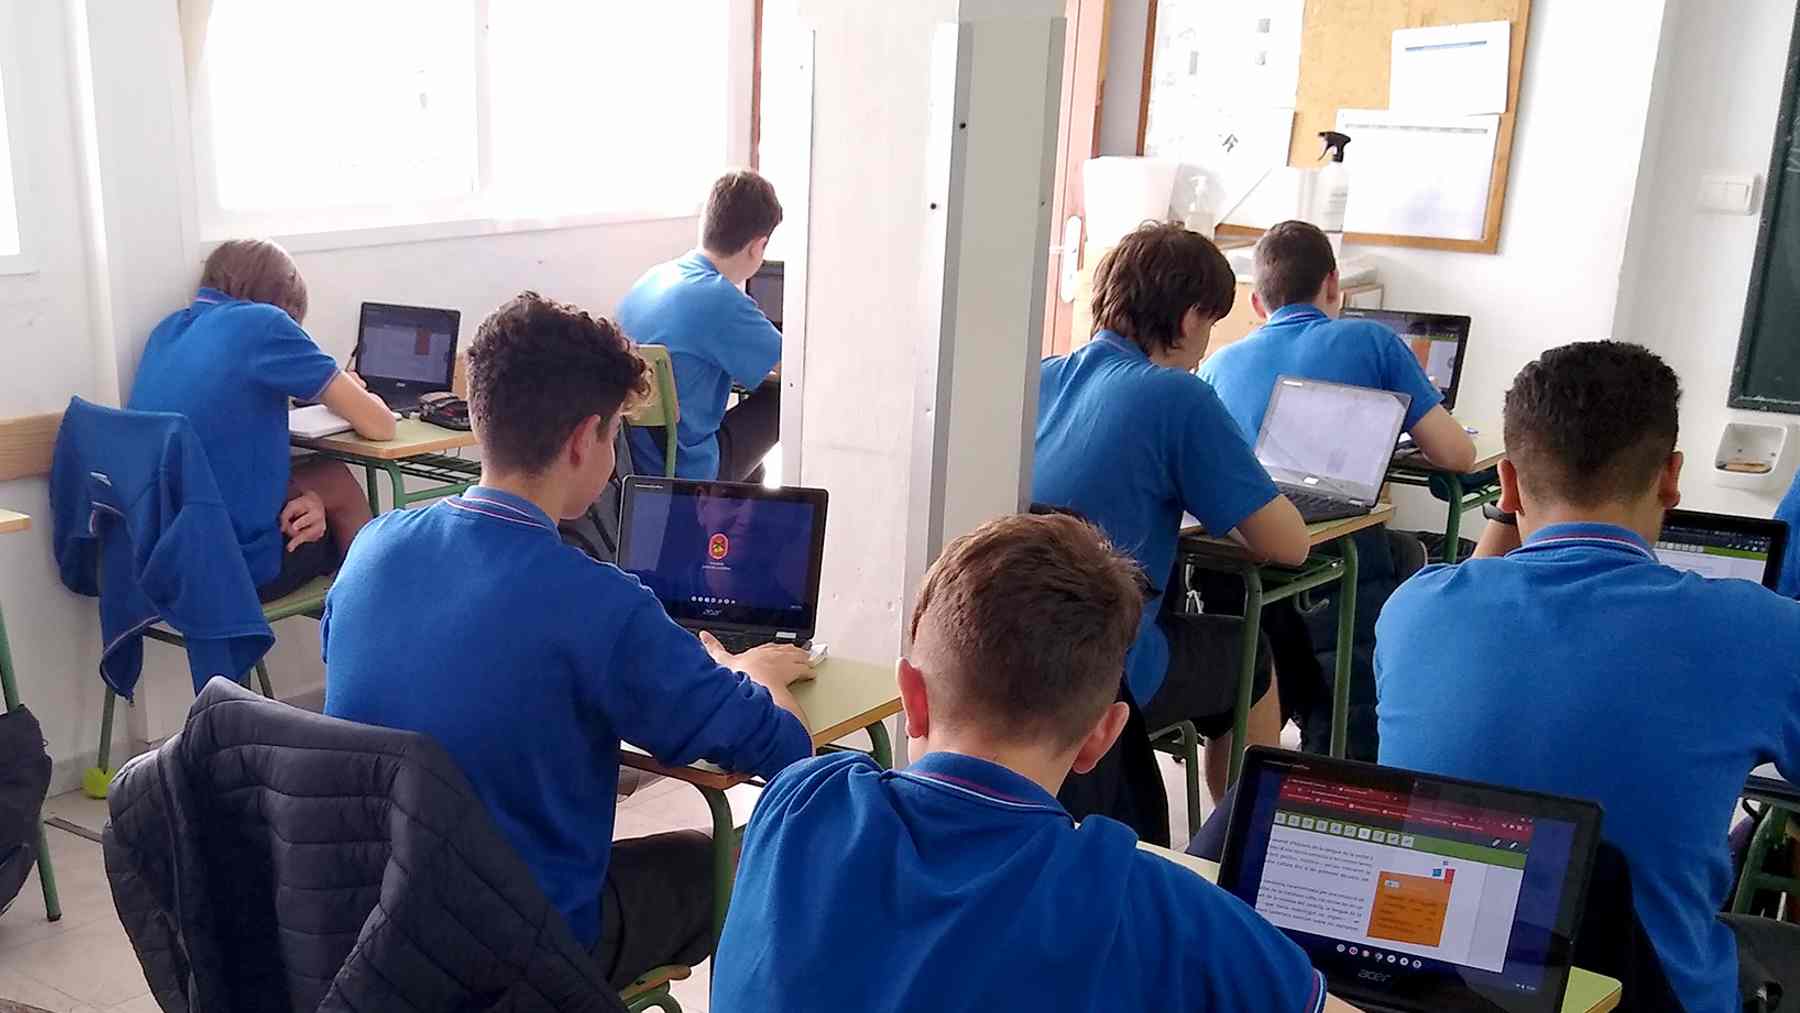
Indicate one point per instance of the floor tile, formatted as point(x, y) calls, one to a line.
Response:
point(93, 964)
point(145, 1003)
point(18, 988)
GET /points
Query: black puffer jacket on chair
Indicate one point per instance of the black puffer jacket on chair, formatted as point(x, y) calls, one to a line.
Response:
point(267, 858)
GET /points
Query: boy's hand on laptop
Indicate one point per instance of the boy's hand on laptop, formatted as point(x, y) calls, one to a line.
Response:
point(775, 666)
point(303, 520)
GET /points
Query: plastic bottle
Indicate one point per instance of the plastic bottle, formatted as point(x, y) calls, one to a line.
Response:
point(1331, 189)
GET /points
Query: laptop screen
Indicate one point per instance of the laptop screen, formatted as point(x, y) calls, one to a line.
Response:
point(1330, 436)
point(724, 555)
point(1422, 892)
point(1721, 545)
point(1437, 340)
point(767, 286)
point(414, 345)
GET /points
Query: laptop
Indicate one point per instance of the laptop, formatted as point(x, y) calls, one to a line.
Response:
point(403, 352)
point(738, 560)
point(767, 286)
point(1411, 891)
point(1328, 445)
point(1724, 545)
point(1437, 340)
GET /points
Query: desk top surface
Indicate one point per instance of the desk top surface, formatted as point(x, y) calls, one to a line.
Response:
point(1490, 447)
point(1587, 992)
point(411, 438)
point(11, 521)
point(845, 696)
point(1318, 534)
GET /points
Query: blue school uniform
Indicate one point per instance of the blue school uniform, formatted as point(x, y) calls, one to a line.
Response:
point(715, 334)
point(1789, 511)
point(229, 366)
point(472, 622)
point(988, 898)
point(1580, 665)
point(1300, 340)
point(1131, 445)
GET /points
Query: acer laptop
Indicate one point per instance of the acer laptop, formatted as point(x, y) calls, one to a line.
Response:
point(403, 352)
point(1328, 445)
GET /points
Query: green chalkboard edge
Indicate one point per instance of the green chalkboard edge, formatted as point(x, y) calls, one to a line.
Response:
point(1742, 394)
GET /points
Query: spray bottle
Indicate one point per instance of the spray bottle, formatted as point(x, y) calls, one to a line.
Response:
point(1331, 190)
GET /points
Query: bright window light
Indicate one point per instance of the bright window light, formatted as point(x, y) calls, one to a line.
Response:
point(351, 113)
point(9, 209)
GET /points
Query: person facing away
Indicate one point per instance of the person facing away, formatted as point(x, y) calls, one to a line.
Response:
point(1128, 438)
point(1297, 290)
point(529, 662)
point(696, 307)
point(1578, 664)
point(959, 883)
point(229, 362)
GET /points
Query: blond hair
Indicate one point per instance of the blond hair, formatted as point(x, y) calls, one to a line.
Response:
point(257, 270)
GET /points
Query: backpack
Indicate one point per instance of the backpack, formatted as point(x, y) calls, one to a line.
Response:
point(24, 779)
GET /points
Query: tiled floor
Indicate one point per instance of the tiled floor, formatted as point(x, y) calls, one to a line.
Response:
point(85, 964)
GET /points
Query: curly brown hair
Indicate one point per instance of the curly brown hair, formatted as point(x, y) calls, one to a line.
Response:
point(537, 369)
point(1145, 285)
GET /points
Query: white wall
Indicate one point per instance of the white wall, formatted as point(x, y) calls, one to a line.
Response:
point(1717, 97)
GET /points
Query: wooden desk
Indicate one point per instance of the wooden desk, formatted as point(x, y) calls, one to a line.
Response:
point(417, 451)
point(1266, 583)
point(1587, 993)
point(11, 522)
point(845, 696)
point(1463, 492)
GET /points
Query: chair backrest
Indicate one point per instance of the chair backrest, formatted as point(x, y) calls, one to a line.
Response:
point(662, 409)
point(1611, 939)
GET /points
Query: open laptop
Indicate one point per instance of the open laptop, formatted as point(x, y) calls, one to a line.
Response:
point(1411, 891)
point(767, 287)
point(403, 352)
point(1724, 545)
point(1437, 340)
point(1328, 445)
point(738, 560)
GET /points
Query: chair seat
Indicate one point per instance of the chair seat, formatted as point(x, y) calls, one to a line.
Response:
point(654, 979)
point(308, 599)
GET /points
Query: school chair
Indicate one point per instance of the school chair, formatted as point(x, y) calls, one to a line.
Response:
point(1770, 834)
point(662, 410)
point(1182, 741)
point(9, 687)
point(652, 990)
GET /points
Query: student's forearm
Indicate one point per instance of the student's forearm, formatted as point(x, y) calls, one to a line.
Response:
point(1497, 539)
point(784, 698)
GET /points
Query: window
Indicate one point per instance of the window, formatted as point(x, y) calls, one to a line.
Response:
point(9, 208)
point(344, 114)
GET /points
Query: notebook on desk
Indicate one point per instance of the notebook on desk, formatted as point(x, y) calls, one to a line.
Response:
point(738, 560)
point(1411, 891)
point(1328, 445)
point(316, 421)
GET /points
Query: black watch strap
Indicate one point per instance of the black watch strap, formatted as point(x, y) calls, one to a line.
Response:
point(1493, 512)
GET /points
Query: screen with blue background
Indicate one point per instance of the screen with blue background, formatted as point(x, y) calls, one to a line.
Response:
point(725, 558)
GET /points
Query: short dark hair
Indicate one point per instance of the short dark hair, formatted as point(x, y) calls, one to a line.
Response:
point(1592, 422)
point(740, 209)
point(1146, 284)
point(257, 270)
point(537, 368)
point(1293, 259)
point(1028, 619)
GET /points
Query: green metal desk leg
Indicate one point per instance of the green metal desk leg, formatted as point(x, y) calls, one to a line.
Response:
point(95, 780)
point(881, 747)
point(9, 691)
point(374, 490)
point(1252, 632)
point(1452, 487)
point(1346, 642)
point(725, 843)
point(398, 478)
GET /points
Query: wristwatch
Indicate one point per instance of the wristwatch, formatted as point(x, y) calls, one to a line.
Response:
point(1493, 512)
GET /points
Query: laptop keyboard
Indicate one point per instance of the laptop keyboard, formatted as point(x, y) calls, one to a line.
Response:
point(739, 641)
point(1316, 507)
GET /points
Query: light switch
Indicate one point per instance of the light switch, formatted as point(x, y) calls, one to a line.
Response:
point(1728, 193)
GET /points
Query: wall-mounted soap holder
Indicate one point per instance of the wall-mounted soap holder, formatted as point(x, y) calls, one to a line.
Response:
point(1749, 454)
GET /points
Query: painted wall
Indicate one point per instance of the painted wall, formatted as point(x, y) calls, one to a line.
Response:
point(1687, 271)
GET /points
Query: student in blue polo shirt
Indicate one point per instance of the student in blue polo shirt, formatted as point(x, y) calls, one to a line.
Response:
point(695, 306)
point(1578, 664)
point(960, 883)
point(229, 362)
point(532, 661)
point(1128, 438)
point(1297, 290)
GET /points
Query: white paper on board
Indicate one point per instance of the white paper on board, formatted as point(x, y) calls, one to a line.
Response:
point(1418, 175)
point(1451, 68)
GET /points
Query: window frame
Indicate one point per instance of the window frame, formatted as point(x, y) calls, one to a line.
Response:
point(306, 230)
point(25, 261)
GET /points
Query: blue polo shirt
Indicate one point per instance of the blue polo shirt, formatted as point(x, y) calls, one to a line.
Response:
point(1789, 511)
point(1579, 665)
point(528, 662)
point(1131, 445)
point(1300, 340)
point(230, 367)
point(987, 897)
point(715, 334)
